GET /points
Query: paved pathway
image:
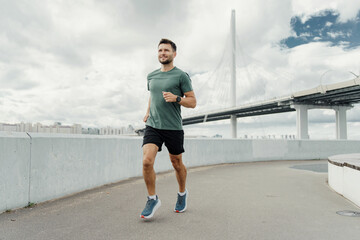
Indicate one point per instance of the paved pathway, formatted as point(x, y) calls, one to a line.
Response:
point(263, 200)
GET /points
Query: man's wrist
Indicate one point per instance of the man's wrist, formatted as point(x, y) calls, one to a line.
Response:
point(178, 99)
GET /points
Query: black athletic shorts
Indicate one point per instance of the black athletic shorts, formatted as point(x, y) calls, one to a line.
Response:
point(173, 139)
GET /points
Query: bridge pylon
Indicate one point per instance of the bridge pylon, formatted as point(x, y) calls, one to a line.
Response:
point(233, 119)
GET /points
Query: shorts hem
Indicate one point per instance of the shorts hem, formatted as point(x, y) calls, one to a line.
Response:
point(176, 153)
point(159, 150)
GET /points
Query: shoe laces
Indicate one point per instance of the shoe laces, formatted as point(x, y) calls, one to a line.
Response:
point(148, 203)
point(180, 199)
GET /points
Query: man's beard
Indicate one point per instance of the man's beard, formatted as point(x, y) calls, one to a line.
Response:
point(167, 61)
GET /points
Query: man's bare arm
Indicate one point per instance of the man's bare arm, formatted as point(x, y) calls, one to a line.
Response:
point(148, 111)
point(188, 101)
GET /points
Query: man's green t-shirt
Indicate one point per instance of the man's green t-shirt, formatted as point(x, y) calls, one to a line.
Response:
point(166, 115)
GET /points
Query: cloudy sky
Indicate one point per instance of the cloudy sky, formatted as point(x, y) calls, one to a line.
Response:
point(86, 61)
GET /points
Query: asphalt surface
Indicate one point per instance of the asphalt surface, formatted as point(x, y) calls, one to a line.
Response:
point(263, 200)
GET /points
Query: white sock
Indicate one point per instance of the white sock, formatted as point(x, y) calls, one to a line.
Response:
point(182, 193)
point(153, 197)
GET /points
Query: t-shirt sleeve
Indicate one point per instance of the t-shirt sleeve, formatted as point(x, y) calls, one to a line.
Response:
point(185, 83)
point(148, 82)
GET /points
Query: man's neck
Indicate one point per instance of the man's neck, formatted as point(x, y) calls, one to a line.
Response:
point(167, 67)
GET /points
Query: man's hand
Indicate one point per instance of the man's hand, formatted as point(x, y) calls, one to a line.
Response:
point(146, 117)
point(169, 97)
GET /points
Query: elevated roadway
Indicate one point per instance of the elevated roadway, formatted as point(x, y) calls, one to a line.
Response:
point(340, 94)
point(340, 97)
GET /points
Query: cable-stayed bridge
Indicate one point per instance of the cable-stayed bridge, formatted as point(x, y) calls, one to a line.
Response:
point(339, 96)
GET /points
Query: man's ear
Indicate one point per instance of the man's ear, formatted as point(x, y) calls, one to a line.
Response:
point(174, 54)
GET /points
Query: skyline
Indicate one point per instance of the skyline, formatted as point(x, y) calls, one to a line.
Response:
point(58, 127)
point(86, 62)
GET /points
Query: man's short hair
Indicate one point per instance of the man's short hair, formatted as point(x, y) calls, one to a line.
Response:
point(167, 41)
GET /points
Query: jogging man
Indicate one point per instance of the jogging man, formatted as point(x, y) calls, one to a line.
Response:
point(170, 88)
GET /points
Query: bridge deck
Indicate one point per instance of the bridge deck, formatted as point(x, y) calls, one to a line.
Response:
point(263, 200)
point(340, 94)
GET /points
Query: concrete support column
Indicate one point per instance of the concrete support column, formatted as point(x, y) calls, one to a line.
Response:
point(302, 121)
point(341, 126)
point(233, 126)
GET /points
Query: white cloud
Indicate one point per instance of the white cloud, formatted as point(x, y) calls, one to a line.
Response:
point(328, 24)
point(304, 35)
point(86, 61)
point(337, 34)
point(348, 9)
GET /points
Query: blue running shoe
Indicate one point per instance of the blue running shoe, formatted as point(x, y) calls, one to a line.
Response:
point(181, 203)
point(150, 208)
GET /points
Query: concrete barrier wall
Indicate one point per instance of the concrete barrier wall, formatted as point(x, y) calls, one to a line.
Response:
point(336, 178)
point(57, 165)
point(64, 164)
point(14, 170)
point(213, 151)
point(344, 175)
point(351, 185)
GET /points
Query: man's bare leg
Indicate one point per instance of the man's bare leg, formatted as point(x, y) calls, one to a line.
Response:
point(153, 203)
point(149, 153)
point(180, 171)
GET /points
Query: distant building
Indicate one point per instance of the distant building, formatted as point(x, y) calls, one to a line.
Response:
point(8, 127)
point(57, 127)
point(92, 131)
point(38, 127)
point(117, 131)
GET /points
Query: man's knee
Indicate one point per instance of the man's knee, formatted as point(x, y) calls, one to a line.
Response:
point(148, 162)
point(176, 161)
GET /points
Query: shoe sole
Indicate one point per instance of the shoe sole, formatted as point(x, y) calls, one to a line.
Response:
point(177, 211)
point(153, 212)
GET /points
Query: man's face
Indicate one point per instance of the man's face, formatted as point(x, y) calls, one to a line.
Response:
point(165, 53)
